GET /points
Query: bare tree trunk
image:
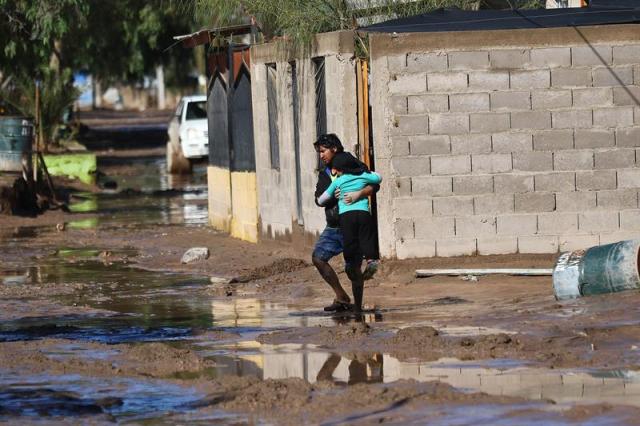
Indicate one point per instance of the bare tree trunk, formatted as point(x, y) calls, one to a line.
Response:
point(160, 82)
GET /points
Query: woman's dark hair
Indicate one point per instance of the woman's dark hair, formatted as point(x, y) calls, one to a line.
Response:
point(329, 140)
point(347, 163)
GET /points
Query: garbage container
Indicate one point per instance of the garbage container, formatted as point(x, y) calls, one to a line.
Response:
point(15, 142)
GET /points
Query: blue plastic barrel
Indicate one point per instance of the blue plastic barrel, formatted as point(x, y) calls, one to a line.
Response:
point(15, 141)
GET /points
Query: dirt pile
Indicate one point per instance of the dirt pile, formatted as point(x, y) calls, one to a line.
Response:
point(280, 266)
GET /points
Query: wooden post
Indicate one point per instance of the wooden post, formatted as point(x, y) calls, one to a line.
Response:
point(36, 132)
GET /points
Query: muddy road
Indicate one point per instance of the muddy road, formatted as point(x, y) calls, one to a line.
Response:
point(101, 323)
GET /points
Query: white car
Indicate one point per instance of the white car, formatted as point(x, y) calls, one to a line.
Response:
point(188, 133)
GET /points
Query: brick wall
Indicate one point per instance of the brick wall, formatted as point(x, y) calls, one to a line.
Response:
point(505, 142)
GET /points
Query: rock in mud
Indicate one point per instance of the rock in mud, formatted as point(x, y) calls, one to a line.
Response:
point(195, 254)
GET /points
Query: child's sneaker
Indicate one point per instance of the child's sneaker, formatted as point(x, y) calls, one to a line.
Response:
point(370, 270)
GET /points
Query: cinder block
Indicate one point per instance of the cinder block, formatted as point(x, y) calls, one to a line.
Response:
point(497, 245)
point(408, 83)
point(538, 244)
point(557, 223)
point(494, 204)
point(591, 55)
point(468, 60)
point(398, 104)
point(411, 207)
point(512, 184)
point(409, 249)
point(555, 182)
point(410, 125)
point(578, 242)
point(573, 160)
point(450, 164)
point(455, 247)
point(469, 102)
point(630, 219)
point(552, 57)
point(613, 117)
point(400, 146)
point(615, 158)
point(429, 62)
point(471, 144)
point(510, 101)
point(550, 99)
point(535, 202)
point(571, 77)
point(434, 227)
point(531, 120)
point(491, 163)
point(489, 80)
point(551, 140)
point(511, 142)
point(636, 75)
point(427, 103)
point(532, 161)
point(615, 76)
point(536, 79)
point(629, 178)
point(627, 95)
point(595, 180)
point(617, 199)
point(397, 63)
point(453, 206)
point(573, 119)
point(596, 221)
point(429, 144)
point(489, 122)
point(594, 138)
point(628, 137)
point(448, 124)
point(517, 224)
point(614, 237)
point(402, 187)
point(411, 166)
point(403, 228)
point(575, 201)
point(447, 82)
point(626, 54)
point(431, 186)
point(592, 97)
point(472, 226)
point(509, 59)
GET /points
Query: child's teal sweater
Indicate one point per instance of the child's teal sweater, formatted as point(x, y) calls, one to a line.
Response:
point(350, 183)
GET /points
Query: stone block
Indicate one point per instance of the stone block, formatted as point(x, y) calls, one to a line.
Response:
point(468, 60)
point(551, 99)
point(557, 223)
point(512, 184)
point(627, 95)
point(472, 226)
point(410, 125)
point(575, 201)
point(491, 163)
point(571, 77)
point(572, 119)
point(453, 206)
point(398, 104)
point(489, 80)
point(630, 219)
point(408, 83)
point(535, 79)
point(629, 178)
point(533, 161)
point(411, 166)
point(609, 237)
point(617, 199)
point(429, 144)
point(535, 202)
point(403, 228)
point(447, 82)
point(455, 247)
point(411, 207)
point(615, 76)
point(434, 227)
point(578, 242)
point(594, 138)
point(397, 63)
point(628, 137)
point(489, 122)
point(471, 144)
point(552, 57)
point(592, 97)
point(493, 204)
point(582, 56)
point(615, 158)
point(538, 244)
point(510, 101)
point(626, 54)
point(613, 117)
point(472, 185)
point(448, 124)
point(450, 164)
point(488, 245)
point(400, 146)
point(511, 142)
point(551, 140)
point(509, 59)
point(427, 103)
point(597, 221)
point(531, 120)
point(402, 187)
point(429, 62)
point(573, 160)
point(517, 224)
point(431, 186)
point(469, 102)
point(409, 249)
point(595, 180)
point(555, 182)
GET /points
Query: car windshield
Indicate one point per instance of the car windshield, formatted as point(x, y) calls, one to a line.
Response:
point(196, 110)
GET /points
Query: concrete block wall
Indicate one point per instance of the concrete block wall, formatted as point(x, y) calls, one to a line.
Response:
point(506, 142)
